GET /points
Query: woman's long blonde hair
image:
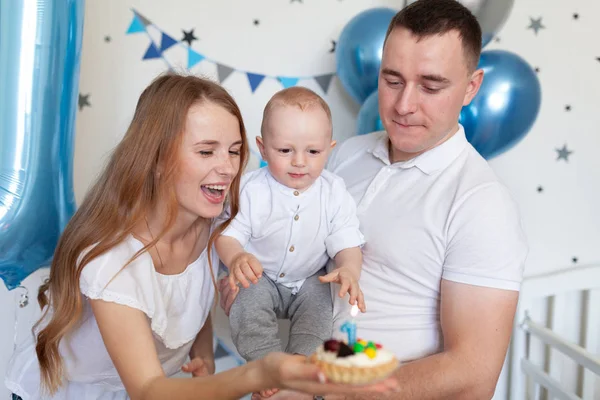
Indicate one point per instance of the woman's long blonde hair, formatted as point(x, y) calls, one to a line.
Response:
point(120, 199)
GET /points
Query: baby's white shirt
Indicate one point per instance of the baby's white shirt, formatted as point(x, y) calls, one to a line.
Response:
point(293, 234)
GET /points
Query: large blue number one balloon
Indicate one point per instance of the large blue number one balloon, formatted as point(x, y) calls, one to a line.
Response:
point(40, 48)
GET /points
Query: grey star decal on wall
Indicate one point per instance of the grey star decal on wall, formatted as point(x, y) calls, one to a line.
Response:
point(575, 16)
point(333, 44)
point(568, 107)
point(597, 58)
point(256, 22)
point(563, 154)
point(575, 260)
point(536, 24)
point(107, 39)
point(84, 101)
point(293, 1)
point(540, 189)
point(188, 36)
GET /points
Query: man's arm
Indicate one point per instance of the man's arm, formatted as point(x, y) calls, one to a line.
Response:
point(476, 326)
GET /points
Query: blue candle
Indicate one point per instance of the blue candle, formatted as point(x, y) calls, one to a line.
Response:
point(349, 327)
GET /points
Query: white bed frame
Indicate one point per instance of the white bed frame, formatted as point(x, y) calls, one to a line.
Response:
point(555, 348)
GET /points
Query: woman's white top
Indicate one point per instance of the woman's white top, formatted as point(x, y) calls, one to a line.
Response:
point(176, 306)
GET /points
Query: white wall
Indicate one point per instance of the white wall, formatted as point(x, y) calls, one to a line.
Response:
point(293, 38)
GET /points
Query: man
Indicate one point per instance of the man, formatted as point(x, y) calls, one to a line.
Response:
point(445, 251)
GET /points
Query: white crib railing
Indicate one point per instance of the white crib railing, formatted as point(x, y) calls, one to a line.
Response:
point(555, 347)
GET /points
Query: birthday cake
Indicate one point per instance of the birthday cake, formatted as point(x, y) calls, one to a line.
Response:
point(362, 363)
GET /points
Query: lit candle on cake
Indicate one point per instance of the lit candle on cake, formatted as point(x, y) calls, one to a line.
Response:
point(349, 327)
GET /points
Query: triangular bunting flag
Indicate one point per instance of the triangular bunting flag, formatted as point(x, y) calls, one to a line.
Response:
point(136, 26)
point(288, 82)
point(263, 163)
point(220, 352)
point(223, 71)
point(193, 58)
point(142, 19)
point(166, 41)
point(152, 52)
point(155, 35)
point(255, 80)
point(324, 81)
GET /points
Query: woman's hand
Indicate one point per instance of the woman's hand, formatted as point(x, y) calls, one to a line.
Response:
point(280, 370)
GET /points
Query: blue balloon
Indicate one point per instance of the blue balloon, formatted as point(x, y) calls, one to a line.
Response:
point(506, 106)
point(359, 50)
point(40, 50)
point(486, 38)
point(368, 116)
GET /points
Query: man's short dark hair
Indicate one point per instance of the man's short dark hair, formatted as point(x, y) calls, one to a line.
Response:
point(435, 17)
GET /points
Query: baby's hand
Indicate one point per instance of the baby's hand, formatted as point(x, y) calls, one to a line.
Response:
point(348, 280)
point(243, 268)
point(199, 367)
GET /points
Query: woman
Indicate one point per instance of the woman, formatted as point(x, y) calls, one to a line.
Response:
point(132, 279)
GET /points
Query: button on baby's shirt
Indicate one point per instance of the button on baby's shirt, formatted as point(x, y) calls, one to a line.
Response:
point(296, 217)
point(292, 249)
point(281, 275)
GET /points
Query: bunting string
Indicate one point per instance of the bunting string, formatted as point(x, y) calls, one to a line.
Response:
point(140, 24)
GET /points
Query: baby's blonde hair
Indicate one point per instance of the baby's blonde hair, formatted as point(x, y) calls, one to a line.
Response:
point(296, 96)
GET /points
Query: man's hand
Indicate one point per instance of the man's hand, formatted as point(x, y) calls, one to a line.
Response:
point(199, 366)
point(244, 267)
point(348, 279)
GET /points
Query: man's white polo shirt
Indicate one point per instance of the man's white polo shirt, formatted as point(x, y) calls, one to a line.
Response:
point(441, 215)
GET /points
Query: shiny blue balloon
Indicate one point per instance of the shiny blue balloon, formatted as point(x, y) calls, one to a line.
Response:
point(368, 116)
point(486, 38)
point(359, 50)
point(40, 48)
point(506, 106)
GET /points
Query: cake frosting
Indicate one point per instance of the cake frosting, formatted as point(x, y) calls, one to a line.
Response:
point(362, 363)
point(358, 359)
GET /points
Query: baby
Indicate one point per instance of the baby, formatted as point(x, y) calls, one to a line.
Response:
point(293, 217)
